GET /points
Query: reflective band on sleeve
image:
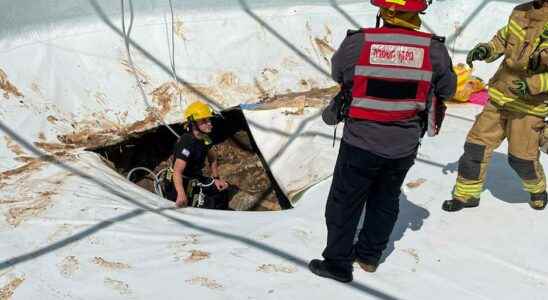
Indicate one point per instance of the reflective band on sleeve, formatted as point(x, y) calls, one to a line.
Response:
point(544, 82)
point(384, 105)
point(384, 72)
point(517, 30)
point(498, 97)
point(397, 39)
point(504, 32)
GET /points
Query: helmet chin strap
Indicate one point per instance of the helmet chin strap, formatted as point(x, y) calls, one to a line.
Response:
point(193, 125)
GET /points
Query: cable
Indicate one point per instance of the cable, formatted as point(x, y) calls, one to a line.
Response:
point(156, 178)
point(171, 49)
point(130, 60)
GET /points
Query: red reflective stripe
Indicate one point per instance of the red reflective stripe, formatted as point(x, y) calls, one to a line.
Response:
point(379, 115)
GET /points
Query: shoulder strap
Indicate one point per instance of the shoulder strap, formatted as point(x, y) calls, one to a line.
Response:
point(438, 38)
point(350, 32)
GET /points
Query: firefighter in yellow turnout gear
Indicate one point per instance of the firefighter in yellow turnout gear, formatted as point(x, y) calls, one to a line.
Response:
point(516, 110)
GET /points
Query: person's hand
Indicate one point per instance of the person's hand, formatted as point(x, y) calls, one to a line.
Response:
point(221, 184)
point(520, 88)
point(480, 52)
point(182, 200)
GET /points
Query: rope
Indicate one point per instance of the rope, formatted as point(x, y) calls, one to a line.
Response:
point(127, 34)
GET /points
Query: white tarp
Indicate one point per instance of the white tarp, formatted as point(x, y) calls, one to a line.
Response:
point(74, 229)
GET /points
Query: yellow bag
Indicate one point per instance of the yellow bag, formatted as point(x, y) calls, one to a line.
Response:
point(466, 83)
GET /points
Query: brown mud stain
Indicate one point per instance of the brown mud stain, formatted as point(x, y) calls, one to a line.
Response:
point(25, 159)
point(110, 264)
point(179, 248)
point(30, 166)
point(313, 98)
point(205, 282)
point(163, 95)
point(13, 147)
point(143, 77)
point(324, 46)
point(16, 215)
point(8, 87)
point(52, 119)
point(8, 290)
point(119, 286)
point(413, 253)
point(197, 255)
point(53, 147)
point(227, 79)
point(69, 266)
point(271, 268)
point(416, 183)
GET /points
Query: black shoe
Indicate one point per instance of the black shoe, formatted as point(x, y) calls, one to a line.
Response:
point(319, 268)
point(456, 205)
point(538, 201)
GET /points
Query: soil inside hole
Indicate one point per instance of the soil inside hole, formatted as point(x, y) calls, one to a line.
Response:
point(240, 162)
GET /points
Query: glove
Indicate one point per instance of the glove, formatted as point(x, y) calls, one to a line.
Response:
point(534, 60)
point(330, 114)
point(480, 52)
point(520, 88)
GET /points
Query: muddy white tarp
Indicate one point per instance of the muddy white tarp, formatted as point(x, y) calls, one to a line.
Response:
point(72, 228)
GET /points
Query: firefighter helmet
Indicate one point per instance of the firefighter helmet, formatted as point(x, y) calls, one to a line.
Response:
point(198, 111)
point(402, 5)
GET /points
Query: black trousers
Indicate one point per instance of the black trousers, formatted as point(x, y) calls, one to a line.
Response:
point(359, 177)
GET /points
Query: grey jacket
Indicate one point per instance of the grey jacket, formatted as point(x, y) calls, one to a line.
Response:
point(395, 139)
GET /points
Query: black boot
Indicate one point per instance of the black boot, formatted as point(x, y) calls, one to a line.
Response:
point(538, 201)
point(320, 268)
point(456, 205)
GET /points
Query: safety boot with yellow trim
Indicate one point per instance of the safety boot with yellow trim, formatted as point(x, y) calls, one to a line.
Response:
point(457, 204)
point(538, 201)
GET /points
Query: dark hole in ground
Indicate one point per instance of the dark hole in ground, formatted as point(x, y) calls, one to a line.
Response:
point(240, 161)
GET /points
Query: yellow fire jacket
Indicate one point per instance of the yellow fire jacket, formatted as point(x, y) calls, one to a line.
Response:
point(524, 44)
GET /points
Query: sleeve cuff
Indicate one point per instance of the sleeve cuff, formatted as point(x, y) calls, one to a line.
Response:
point(538, 83)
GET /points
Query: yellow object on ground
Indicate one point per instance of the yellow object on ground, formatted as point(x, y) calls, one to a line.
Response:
point(466, 83)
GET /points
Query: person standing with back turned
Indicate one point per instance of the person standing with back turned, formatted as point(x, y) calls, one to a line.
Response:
point(390, 75)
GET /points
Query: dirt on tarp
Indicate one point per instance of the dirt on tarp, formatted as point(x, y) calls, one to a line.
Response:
point(312, 98)
point(8, 87)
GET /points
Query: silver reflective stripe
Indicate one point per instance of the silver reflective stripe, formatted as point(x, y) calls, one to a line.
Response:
point(395, 73)
point(369, 103)
point(397, 39)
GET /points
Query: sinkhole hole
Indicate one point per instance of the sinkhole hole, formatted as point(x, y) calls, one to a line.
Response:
point(141, 155)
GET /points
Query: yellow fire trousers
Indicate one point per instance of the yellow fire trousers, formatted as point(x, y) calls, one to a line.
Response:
point(491, 127)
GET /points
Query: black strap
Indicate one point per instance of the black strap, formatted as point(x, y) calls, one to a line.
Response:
point(438, 38)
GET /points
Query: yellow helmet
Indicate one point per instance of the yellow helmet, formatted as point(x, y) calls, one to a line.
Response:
point(197, 111)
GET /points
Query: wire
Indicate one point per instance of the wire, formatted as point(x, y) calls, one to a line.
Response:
point(171, 50)
point(130, 59)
